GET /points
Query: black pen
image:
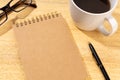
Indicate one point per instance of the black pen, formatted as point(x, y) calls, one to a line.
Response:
point(99, 63)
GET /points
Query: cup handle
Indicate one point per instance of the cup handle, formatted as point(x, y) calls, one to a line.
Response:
point(114, 26)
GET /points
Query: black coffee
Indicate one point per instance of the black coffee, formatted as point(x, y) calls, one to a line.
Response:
point(93, 6)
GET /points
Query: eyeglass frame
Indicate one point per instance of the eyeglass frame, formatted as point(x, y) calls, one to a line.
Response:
point(7, 9)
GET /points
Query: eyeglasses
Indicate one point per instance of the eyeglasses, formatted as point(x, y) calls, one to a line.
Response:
point(16, 6)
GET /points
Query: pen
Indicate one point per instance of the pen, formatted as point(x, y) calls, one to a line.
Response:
point(99, 63)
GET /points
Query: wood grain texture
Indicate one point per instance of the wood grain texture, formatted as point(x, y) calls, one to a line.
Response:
point(108, 48)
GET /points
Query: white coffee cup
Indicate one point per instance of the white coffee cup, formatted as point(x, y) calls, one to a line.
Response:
point(91, 21)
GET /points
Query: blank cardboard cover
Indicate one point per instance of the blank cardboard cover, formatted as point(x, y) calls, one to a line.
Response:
point(47, 49)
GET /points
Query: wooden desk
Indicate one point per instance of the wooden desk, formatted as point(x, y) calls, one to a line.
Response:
point(108, 48)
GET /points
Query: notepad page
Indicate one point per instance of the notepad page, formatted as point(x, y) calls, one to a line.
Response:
point(47, 49)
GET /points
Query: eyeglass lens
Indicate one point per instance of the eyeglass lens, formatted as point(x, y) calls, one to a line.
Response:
point(14, 5)
point(2, 18)
point(19, 4)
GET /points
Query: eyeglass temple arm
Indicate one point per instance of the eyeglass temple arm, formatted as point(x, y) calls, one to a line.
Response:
point(18, 3)
point(32, 5)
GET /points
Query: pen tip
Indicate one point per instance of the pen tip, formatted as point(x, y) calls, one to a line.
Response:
point(90, 43)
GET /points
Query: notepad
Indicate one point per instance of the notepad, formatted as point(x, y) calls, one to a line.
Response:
point(47, 49)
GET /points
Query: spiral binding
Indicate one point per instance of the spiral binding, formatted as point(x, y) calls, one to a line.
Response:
point(38, 19)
